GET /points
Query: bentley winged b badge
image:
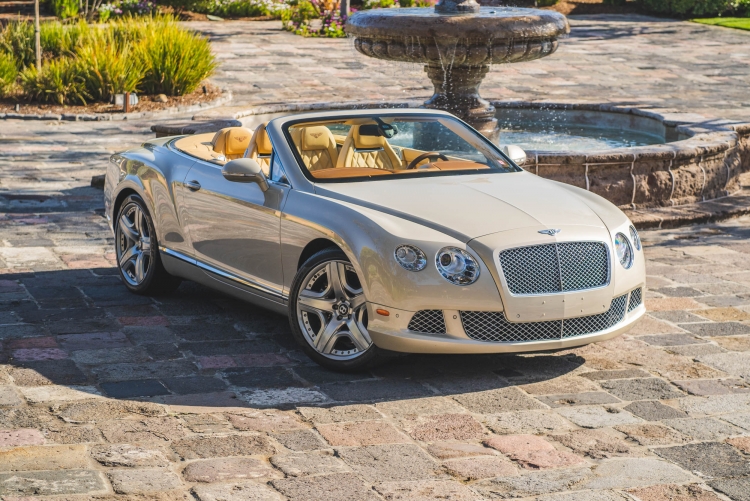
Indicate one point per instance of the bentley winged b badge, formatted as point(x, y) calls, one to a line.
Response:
point(550, 232)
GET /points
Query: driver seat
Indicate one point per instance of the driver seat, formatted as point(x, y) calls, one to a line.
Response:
point(260, 149)
point(367, 151)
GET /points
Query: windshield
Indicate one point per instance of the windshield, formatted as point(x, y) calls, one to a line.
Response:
point(367, 148)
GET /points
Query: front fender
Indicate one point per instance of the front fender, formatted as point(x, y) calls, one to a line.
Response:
point(369, 238)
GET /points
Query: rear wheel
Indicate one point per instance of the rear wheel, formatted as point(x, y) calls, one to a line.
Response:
point(137, 251)
point(328, 313)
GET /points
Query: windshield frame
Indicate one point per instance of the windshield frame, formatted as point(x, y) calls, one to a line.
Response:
point(394, 114)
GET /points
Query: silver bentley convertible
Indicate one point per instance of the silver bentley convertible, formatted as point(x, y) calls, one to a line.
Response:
point(377, 231)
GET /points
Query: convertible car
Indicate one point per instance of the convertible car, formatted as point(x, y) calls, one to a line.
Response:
point(377, 231)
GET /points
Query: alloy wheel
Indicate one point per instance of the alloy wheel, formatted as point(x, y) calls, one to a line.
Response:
point(332, 311)
point(133, 245)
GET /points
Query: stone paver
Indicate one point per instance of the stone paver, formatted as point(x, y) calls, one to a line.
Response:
point(199, 396)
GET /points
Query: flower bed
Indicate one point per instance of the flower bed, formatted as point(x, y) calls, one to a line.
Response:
point(83, 63)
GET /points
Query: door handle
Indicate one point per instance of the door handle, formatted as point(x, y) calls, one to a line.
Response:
point(193, 185)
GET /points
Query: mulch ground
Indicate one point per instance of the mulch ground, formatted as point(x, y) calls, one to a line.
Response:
point(146, 103)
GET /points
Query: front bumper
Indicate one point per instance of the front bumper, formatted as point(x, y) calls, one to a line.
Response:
point(457, 342)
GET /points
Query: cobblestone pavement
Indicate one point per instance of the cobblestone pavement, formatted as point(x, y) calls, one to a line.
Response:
point(107, 395)
point(618, 59)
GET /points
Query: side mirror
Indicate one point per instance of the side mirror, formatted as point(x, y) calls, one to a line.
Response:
point(515, 153)
point(245, 170)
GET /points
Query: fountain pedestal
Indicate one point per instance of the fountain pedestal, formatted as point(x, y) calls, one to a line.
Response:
point(457, 43)
point(457, 91)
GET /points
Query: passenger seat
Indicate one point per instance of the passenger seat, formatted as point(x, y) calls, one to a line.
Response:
point(260, 149)
point(231, 143)
point(368, 151)
point(316, 146)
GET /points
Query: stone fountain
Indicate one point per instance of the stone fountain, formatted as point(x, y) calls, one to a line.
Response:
point(457, 43)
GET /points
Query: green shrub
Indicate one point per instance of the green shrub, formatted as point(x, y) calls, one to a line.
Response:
point(60, 81)
point(687, 8)
point(8, 73)
point(618, 3)
point(64, 9)
point(110, 67)
point(177, 60)
point(546, 3)
point(17, 38)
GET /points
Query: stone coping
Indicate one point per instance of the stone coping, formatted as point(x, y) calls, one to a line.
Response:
point(224, 98)
point(703, 163)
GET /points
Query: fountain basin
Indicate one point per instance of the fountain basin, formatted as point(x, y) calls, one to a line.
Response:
point(698, 158)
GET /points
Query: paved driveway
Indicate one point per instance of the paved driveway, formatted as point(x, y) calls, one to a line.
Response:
point(107, 395)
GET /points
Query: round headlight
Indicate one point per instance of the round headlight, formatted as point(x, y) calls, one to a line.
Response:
point(457, 266)
point(635, 238)
point(624, 250)
point(410, 258)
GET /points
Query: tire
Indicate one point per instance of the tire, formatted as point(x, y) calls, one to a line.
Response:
point(137, 251)
point(334, 338)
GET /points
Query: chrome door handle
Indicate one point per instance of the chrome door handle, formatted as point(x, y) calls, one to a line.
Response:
point(193, 185)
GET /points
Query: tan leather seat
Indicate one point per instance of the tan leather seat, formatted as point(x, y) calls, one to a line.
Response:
point(367, 151)
point(232, 142)
point(260, 149)
point(316, 146)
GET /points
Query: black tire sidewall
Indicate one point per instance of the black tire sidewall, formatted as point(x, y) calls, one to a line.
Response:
point(147, 284)
point(362, 362)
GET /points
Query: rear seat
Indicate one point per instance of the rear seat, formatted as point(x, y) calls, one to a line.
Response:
point(227, 144)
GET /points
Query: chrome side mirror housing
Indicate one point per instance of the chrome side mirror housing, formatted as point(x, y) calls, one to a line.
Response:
point(515, 153)
point(245, 170)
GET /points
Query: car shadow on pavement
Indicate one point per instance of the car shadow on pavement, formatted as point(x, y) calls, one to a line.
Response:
point(82, 331)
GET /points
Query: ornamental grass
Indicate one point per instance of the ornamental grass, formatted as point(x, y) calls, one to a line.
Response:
point(83, 62)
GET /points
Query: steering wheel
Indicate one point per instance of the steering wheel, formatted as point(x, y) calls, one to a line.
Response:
point(429, 154)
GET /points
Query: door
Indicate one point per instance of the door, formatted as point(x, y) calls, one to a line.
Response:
point(234, 229)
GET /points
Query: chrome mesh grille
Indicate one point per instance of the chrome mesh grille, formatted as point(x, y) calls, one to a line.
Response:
point(636, 297)
point(552, 268)
point(492, 326)
point(428, 322)
point(594, 323)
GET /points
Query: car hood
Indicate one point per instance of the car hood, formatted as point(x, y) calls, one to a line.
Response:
point(470, 206)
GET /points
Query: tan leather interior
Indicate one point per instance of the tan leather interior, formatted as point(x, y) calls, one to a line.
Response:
point(232, 142)
point(199, 146)
point(316, 146)
point(260, 149)
point(367, 151)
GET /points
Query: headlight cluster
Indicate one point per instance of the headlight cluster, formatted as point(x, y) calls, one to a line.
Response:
point(636, 239)
point(455, 265)
point(411, 258)
point(624, 250)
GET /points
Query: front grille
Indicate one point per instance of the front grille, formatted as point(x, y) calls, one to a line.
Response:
point(553, 268)
point(428, 322)
point(492, 326)
point(636, 297)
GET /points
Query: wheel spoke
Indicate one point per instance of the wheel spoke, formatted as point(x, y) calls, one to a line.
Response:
point(357, 301)
point(140, 267)
point(127, 229)
point(335, 270)
point(129, 255)
point(324, 342)
point(316, 302)
point(359, 337)
point(138, 220)
point(146, 245)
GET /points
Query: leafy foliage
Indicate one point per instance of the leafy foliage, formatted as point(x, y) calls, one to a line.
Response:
point(177, 60)
point(59, 81)
point(8, 73)
point(696, 8)
point(65, 9)
point(83, 62)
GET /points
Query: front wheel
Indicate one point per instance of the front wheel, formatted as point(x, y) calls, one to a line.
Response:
point(328, 313)
point(137, 251)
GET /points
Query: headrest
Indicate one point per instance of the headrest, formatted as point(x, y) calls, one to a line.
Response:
point(263, 142)
point(316, 138)
point(368, 141)
point(232, 140)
